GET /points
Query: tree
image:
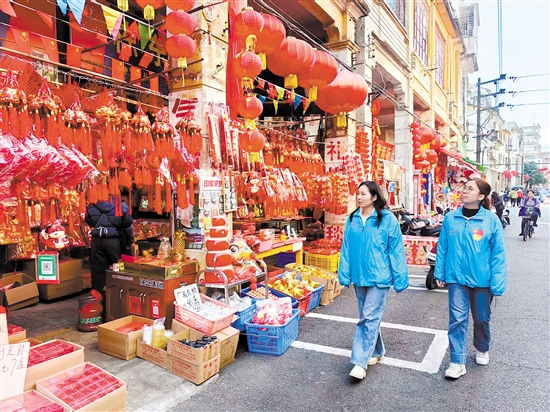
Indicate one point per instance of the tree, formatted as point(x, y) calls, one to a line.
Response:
point(537, 178)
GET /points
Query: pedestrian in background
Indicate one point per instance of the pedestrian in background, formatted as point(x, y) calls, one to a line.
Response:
point(529, 206)
point(513, 197)
point(373, 259)
point(471, 259)
point(112, 232)
point(497, 204)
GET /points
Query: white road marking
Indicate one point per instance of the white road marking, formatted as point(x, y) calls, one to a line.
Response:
point(427, 290)
point(418, 276)
point(430, 363)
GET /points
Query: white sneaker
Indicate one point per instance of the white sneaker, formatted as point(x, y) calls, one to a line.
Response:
point(373, 361)
point(455, 371)
point(358, 372)
point(482, 358)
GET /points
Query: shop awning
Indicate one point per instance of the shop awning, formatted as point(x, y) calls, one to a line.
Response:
point(464, 161)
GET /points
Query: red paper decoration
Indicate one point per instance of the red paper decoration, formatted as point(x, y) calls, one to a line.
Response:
point(294, 56)
point(323, 72)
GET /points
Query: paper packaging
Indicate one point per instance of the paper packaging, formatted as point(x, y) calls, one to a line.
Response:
point(28, 401)
point(189, 354)
point(228, 337)
point(65, 288)
point(154, 355)
point(194, 373)
point(121, 345)
point(112, 402)
point(21, 296)
point(53, 366)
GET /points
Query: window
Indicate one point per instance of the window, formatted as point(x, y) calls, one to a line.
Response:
point(439, 58)
point(421, 29)
point(398, 8)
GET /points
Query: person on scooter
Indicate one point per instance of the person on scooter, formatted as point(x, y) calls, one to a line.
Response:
point(530, 205)
point(471, 259)
point(373, 259)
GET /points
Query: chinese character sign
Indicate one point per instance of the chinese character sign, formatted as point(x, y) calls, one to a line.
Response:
point(334, 232)
point(383, 150)
point(189, 297)
point(13, 368)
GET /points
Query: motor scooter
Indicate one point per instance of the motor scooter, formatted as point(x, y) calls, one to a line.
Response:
point(417, 227)
point(430, 277)
point(505, 218)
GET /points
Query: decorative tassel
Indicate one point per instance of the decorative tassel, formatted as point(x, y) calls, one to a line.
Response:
point(192, 190)
point(53, 211)
point(168, 193)
point(341, 120)
point(43, 214)
point(70, 220)
point(158, 197)
point(118, 205)
point(263, 59)
point(251, 43)
point(33, 214)
point(81, 203)
point(130, 200)
point(291, 81)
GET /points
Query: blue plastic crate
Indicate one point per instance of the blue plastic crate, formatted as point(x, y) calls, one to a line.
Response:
point(272, 340)
point(244, 316)
point(294, 301)
point(315, 298)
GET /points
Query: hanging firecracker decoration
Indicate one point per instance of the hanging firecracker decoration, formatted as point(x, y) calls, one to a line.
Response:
point(247, 66)
point(149, 7)
point(247, 25)
point(270, 38)
point(163, 135)
point(111, 142)
point(45, 106)
point(323, 72)
point(346, 93)
point(78, 123)
point(250, 107)
point(294, 56)
point(12, 103)
point(141, 127)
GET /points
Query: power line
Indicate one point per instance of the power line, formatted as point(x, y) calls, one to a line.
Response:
point(513, 93)
point(516, 78)
point(526, 104)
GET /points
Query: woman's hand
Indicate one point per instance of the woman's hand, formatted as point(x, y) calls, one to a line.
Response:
point(440, 283)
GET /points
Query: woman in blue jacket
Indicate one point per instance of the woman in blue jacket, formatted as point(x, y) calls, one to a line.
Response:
point(471, 259)
point(373, 258)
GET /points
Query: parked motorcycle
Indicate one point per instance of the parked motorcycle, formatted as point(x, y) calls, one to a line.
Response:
point(417, 227)
point(431, 283)
point(505, 218)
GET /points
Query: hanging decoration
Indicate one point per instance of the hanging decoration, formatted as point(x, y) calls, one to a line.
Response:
point(13, 105)
point(270, 38)
point(250, 107)
point(323, 72)
point(78, 123)
point(252, 142)
point(247, 25)
point(184, 5)
point(45, 106)
point(294, 56)
point(149, 7)
point(247, 66)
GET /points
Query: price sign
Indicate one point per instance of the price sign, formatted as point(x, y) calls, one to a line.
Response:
point(189, 297)
point(47, 268)
point(13, 368)
point(3, 327)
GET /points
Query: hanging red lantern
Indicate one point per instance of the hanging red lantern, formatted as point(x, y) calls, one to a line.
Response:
point(184, 5)
point(181, 47)
point(271, 37)
point(250, 108)
point(180, 22)
point(346, 93)
point(323, 72)
point(252, 142)
point(248, 24)
point(247, 66)
point(294, 56)
point(427, 135)
point(376, 107)
point(149, 7)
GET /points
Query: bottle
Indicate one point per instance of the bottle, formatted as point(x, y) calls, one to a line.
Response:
point(158, 336)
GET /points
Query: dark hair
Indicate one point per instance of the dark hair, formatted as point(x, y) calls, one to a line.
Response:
point(484, 189)
point(532, 191)
point(379, 203)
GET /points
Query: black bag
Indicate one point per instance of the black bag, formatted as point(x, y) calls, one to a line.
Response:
point(126, 239)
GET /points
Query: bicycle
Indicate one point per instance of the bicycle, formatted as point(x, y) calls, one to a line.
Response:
point(527, 227)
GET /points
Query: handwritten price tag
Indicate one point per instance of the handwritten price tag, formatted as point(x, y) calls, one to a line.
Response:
point(189, 297)
point(13, 368)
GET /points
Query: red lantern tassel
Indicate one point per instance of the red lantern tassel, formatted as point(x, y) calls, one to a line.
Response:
point(33, 213)
point(137, 177)
point(191, 191)
point(43, 214)
point(168, 193)
point(70, 220)
point(53, 211)
point(118, 207)
point(81, 203)
point(158, 198)
point(5, 122)
point(130, 201)
point(21, 212)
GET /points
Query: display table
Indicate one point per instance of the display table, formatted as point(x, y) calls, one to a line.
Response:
point(296, 248)
point(417, 248)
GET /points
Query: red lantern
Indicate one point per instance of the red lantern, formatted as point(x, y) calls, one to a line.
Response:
point(347, 92)
point(184, 5)
point(526, 177)
point(250, 108)
point(271, 37)
point(427, 135)
point(247, 66)
point(149, 7)
point(415, 125)
point(182, 48)
point(323, 72)
point(424, 164)
point(180, 22)
point(375, 107)
point(294, 56)
point(248, 24)
point(252, 141)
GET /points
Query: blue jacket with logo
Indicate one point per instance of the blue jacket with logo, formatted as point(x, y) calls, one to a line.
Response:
point(471, 251)
point(373, 256)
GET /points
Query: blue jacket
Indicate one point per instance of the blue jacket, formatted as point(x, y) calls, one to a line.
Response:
point(110, 223)
point(373, 256)
point(471, 251)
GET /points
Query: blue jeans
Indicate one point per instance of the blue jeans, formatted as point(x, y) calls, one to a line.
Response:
point(367, 341)
point(461, 299)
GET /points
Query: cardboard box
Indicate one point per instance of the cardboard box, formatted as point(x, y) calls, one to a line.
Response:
point(53, 366)
point(150, 353)
point(31, 400)
point(68, 269)
point(21, 296)
point(177, 326)
point(65, 288)
point(189, 354)
point(194, 373)
point(112, 402)
point(229, 340)
point(17, 336)
point(119, 344)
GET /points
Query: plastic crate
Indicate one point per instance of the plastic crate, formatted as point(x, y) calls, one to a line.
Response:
point(244, 316)
point(315, 298)
point(272, 340)
point(198, 322)
point(293, 300)
point(327, 262)
point(303, 302)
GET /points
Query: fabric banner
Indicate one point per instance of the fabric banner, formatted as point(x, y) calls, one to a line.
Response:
point(77, 7)
point(144, 34)
point(74, 55)
point(50, 46)
point(111, 18)
point(276, 106)
point(22, 40)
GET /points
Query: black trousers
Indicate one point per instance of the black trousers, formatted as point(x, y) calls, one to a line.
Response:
point(104, 252)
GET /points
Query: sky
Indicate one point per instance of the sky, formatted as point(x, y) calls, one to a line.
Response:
point(525, 51)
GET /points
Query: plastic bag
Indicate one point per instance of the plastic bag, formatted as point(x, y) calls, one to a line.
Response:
point(15, 158)
point(273, 312)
